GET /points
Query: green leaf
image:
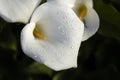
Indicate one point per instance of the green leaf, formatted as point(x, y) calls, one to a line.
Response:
point(109, 19)
point(7, 38)
point(37, 68)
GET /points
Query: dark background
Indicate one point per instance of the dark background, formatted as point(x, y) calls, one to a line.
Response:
point(99, 57)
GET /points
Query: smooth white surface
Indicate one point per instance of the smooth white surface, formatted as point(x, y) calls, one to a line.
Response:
point(69, 3)
point(17, 10)
point(63, 31)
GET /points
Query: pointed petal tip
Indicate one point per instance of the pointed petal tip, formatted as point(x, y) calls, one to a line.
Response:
point(64, 67)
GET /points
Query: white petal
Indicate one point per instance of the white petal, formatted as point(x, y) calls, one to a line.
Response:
point(17, 10)
point(73, 3)
point(64, 1)
point(63, 37)
point(70, 3)
point(91, 24)
point(78, 3)
point(88, 3)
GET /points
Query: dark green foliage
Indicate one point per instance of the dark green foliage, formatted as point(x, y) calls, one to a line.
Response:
point(99, 57)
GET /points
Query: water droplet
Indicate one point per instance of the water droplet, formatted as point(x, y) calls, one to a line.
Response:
point(35, 56)
point(59, 27)
point(63, 32)
point(72, 47)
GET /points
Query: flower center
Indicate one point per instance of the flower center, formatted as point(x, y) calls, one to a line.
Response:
point(82, 11)
point(38, 32)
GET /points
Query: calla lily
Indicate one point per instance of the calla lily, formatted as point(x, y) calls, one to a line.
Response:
point(17, 10)
point(53, 36)
point(84, 10)
point(55, 31)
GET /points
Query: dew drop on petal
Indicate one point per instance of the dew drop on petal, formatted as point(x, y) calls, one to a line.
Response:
point(35, 56)
point(72, 47)
point(59, 27)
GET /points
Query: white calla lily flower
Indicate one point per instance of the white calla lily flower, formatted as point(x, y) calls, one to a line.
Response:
point(56, 28)
point(53, 36)
point(84, 10)
point(17, 10)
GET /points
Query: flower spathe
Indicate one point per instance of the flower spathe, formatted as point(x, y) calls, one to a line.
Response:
point(90, 18)
point(17, 10)
point(63, 31)
point(55, 31)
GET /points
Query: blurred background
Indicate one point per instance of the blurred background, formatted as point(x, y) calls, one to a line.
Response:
point(99, 57)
